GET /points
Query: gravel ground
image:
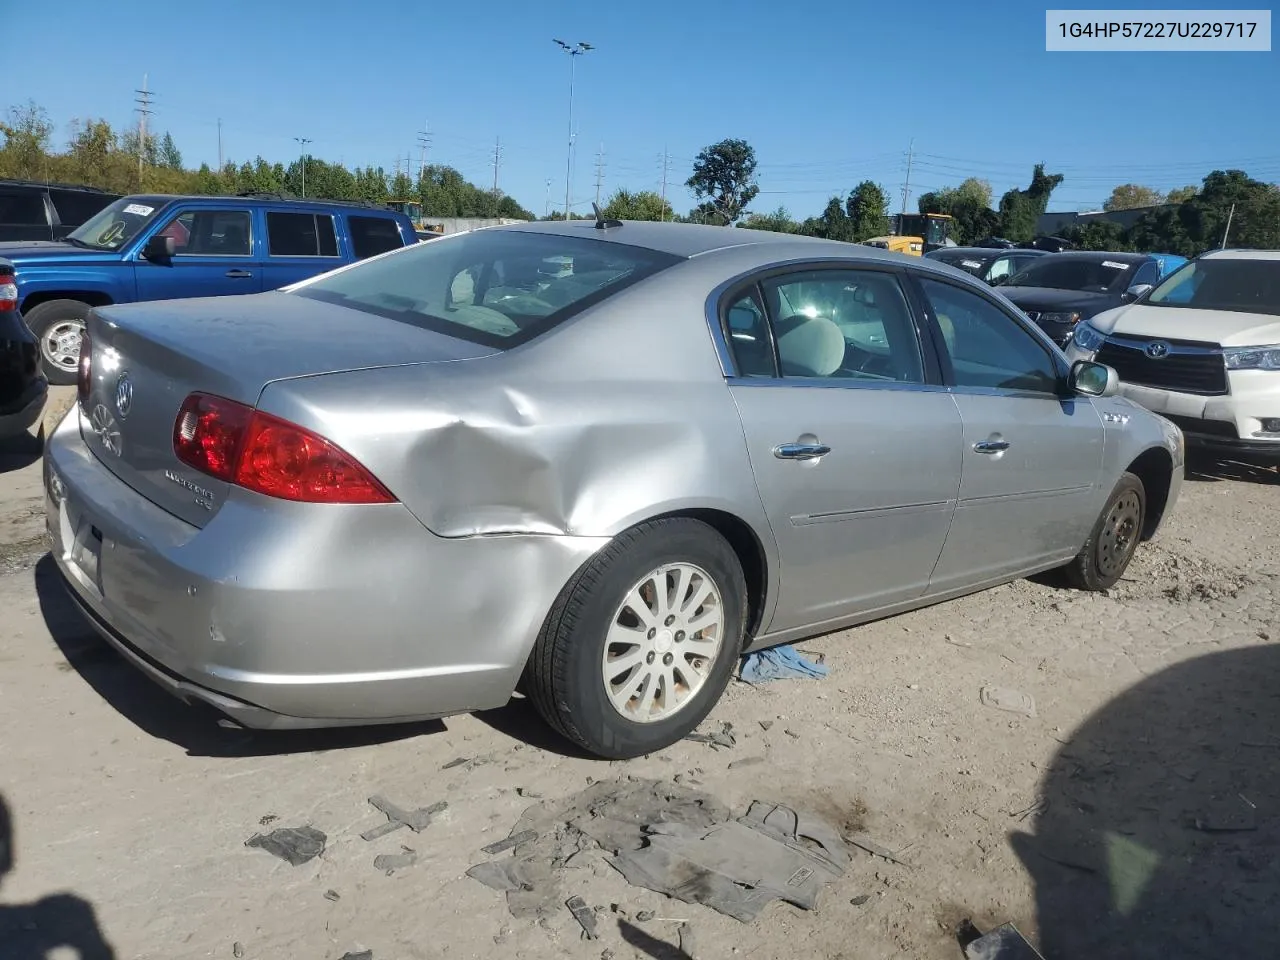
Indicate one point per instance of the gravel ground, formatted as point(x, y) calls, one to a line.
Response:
point(1133, 815)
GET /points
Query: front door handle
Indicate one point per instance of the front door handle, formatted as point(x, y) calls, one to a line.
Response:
point(240, 274)
point(800, 451)
point(991, 446)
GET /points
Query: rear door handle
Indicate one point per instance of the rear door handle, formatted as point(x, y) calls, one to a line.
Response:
point(800, 451)
point(991, 446)
point(240, 274)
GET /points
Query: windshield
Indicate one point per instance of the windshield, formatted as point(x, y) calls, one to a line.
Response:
point(1061, 273)
point(495, 287)
point(1239, 286)
point(115, 225)
point(935, 230)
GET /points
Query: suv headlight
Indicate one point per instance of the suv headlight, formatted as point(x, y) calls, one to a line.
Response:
point(1086, 338)
point(1253, 358)
point(1071, 317)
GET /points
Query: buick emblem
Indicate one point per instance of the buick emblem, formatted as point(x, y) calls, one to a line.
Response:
point(124, 395)
point(1157, 350)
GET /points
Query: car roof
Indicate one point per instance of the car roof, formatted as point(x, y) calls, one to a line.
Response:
point(680, 239)
point(1241, 255)
point(1099, 255)
point(159, 199)
point(52, 185)
point(991, 251)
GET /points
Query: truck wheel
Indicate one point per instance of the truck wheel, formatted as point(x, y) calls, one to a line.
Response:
point(59, 325)
point(642, 642)
point(1111, 545)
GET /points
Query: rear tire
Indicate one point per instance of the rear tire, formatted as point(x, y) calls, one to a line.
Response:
point(621, 681)
point(1114, 539)
point(59, 325)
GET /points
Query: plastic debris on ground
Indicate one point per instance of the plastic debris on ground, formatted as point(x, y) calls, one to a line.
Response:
point(1002, 943)
point(416, 820)
point(1008, 700)
point(779, 663)
point(671, 839)
point(296, 845)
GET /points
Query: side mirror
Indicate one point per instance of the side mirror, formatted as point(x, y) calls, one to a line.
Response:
point(159, 249)
point(1138, 290)
point(1094, 379)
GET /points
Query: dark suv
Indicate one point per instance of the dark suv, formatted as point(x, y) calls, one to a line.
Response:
point(30, 210)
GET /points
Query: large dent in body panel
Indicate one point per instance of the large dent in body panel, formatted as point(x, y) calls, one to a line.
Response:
point(556, 464)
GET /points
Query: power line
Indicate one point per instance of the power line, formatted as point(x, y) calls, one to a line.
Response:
point(666, 169)
point(424, 141)
point(599, 172)
point(906, 187)
point(497, 161)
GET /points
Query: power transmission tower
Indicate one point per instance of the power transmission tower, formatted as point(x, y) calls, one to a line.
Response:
point(424, 141)
point(143, 100)
point(906, 187)
point(219, 144)
point(599, 173)
point(666, 168)
point(497, 161)
point(547, 211)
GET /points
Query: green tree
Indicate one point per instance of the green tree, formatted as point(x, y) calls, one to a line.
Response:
point(1021, 209)
point(1181, 194)
point(969, 205)
point(1200, 224)
point(867, 211)
point(779, 221)
point(27, 134)
point(641, 205)
point(1099, 235)
point(170, 155)
point(724, 181)
point(1129, 196)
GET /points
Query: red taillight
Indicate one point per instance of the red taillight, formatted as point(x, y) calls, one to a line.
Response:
point(84, 369)
point(8, 293)
point(254, 450)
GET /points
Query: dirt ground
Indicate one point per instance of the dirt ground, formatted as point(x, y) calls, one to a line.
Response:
point(1133, 815)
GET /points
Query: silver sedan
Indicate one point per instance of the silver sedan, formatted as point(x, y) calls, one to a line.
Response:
point(595, 462)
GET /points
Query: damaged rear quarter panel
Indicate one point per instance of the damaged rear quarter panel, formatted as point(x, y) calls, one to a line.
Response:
point(619, 415)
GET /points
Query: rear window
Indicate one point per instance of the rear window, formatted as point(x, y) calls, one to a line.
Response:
point(499, 288)
point(371, 236)
point(76, 206)
point(1238, 286)
point(301, 235)
point(25, 207)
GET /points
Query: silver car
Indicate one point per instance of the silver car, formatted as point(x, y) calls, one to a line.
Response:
point(409, 487)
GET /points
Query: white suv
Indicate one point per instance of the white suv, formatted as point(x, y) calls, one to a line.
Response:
point(1203, 350)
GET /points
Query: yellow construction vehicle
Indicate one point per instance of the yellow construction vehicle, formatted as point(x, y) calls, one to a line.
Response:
point(411, 209)
point(915, 234)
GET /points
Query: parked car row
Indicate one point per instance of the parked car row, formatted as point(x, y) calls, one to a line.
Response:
point(162, 247)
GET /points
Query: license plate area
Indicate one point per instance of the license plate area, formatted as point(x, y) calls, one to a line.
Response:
point(81, 544)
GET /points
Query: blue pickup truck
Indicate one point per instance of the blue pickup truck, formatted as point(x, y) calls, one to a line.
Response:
point(166, 247)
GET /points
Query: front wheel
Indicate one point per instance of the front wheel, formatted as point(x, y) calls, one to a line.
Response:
point(1114, 539)
point(59, 325)
point(642, 642)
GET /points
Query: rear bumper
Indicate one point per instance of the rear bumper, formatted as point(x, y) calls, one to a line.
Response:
point(285, 615)
point(18, 416)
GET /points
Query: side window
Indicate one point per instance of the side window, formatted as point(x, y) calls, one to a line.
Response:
point(76, 206)
point(300, 235)
point(1147, 273)
point(847, 324)
point(1002, 268)
point(747, 331)
point(23, 208)
point(988, 348)
point(210, 233)
point(371, 236)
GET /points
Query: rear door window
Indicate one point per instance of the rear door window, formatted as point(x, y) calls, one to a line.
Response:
point(371, 236)
point(23, 208)
point(77, 206)
point(301, 235)
point(495, 287)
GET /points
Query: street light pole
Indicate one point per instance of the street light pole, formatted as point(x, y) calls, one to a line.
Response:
point(573, 50)
point(302, 160)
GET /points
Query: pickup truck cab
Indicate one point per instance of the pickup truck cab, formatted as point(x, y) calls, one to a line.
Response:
point(154, 247)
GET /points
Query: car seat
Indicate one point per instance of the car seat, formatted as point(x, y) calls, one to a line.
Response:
point(809, 346)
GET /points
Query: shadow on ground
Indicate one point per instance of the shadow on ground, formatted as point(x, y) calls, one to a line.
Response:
point(159, 714)
point(49, 926)
point(1161, 835)
point(1208, 469)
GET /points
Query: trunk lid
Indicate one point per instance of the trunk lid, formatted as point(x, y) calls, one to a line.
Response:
point(147, 358)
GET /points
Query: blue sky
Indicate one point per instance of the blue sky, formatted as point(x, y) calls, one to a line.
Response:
point(829, 93)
